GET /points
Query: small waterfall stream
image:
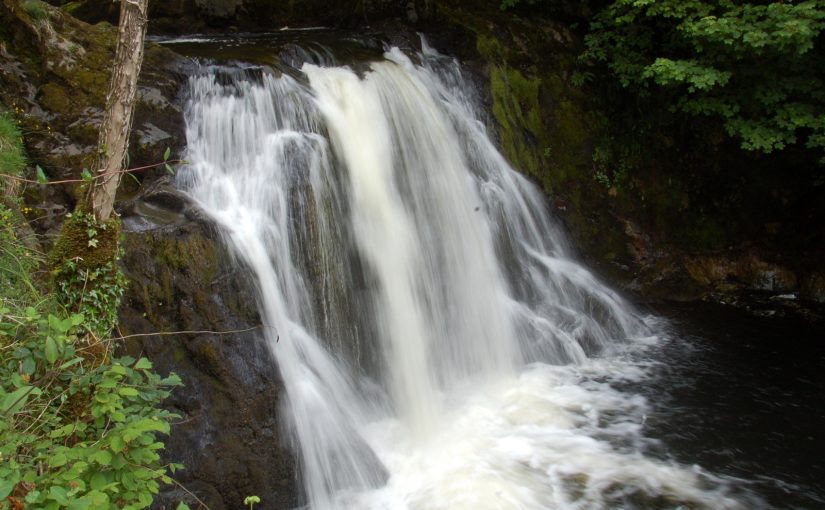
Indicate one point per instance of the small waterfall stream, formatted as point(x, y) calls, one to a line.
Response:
point(439, 347)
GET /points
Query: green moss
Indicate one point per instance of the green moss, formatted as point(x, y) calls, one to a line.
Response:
point(489, 47)
point(53, 97)
point(194, 254)
point(518, 115)
point(90, 251)
point(86, 134)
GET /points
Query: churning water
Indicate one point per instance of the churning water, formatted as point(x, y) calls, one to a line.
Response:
point(439, 347)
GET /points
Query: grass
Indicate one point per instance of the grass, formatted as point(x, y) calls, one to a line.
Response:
point(12, 156)
point(18, 265)
point(17, 262)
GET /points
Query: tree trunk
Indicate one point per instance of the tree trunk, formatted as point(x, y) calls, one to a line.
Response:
point(117, 120)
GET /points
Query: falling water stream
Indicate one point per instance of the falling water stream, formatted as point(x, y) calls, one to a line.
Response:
point(439, 347)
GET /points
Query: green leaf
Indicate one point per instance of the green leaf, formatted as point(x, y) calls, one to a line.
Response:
point(98, 481)
point(59, 326)
point(99, 499)
point(172, 380)
point(7, 485)
point(58, 459)
point(169, 169)
point(80, 504)
point(29, 366)
point(86, 175)
point(167, 153)
point(182, 506)
point(41, 175)
point(102, 457)
point(51, 350)
point(143, 364)
point(63, 431)
point(15, 400)
point(71, 362)
point(117, 444)
point(118, 369)
point(128, 392)
point(58, 494)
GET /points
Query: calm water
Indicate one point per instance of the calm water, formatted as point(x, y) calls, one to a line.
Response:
point(743, 396)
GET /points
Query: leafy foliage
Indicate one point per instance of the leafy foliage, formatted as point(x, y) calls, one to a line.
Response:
point(79, 428)
point(86, 273)
point(76, 434)
point(757, 66)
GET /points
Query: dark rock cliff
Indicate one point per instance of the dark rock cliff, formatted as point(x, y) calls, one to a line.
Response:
point(678, 213)
point(181, 279)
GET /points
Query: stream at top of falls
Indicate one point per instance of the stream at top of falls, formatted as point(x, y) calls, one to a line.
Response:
point(439, 346)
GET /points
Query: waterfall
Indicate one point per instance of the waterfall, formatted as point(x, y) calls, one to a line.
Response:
point(439, 347)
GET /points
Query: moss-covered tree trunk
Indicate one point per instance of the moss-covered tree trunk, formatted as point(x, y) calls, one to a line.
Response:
point(85, 256)
point(117, 121)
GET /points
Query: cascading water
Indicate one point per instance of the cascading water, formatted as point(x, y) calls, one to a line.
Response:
point(439, 348)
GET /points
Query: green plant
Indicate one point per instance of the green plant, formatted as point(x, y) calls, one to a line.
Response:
point(251, 501)
point(77, 431)
point(755, 66)
point(78, 428)
point(86, 272)
point(12, 156)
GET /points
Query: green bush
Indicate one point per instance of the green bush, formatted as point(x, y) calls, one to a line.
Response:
point(79, 427)
point(756, 66)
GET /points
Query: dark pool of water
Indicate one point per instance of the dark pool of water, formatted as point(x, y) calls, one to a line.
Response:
point(744, 397)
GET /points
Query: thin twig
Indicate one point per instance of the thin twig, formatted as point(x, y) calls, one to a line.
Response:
point(169, 333)
point(201, 503)
point(92, 178)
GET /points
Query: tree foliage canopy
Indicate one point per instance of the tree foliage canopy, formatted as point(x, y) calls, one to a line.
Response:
point(757, 66)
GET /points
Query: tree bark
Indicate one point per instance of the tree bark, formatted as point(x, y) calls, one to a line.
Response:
point(120, 101)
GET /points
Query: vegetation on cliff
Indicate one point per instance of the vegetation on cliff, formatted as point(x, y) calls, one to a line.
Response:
point(667, 133)
point(755, 66)
point(79, 425)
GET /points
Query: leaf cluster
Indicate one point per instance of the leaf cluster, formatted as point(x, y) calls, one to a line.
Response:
point(76, 435)
point(756, 66)
point(79, 429)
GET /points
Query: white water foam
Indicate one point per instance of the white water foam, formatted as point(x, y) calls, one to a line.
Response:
point(439, 347)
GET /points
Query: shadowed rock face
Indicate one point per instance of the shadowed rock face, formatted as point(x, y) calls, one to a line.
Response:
point(190, 16)
point(228, 437)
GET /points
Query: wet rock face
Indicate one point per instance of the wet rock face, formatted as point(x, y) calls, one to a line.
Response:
point(229, 437)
